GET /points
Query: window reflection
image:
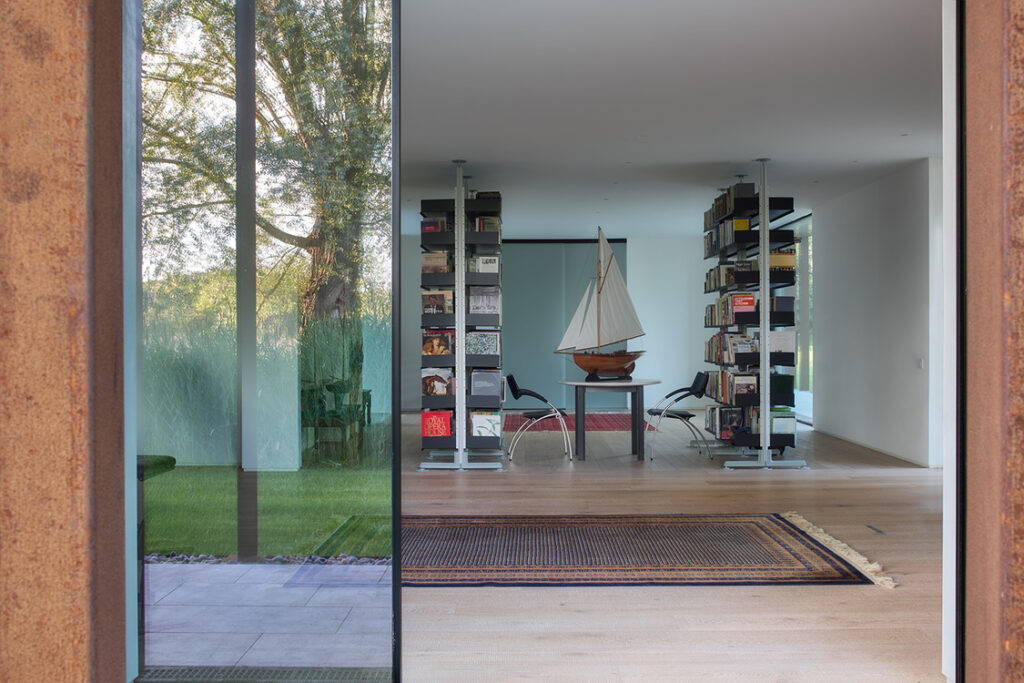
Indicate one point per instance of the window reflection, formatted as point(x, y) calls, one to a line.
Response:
point(320, 593)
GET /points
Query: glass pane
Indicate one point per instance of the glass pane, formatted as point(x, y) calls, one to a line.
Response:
point(189, 410)
point(317, 590)
point(323, 318)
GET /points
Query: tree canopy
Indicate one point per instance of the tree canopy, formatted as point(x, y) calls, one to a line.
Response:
point(323, 115)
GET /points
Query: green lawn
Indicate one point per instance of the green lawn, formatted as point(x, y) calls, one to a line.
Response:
point(192, 510)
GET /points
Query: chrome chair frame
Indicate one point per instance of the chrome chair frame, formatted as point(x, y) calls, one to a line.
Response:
point(533, 417)
point(661, 409)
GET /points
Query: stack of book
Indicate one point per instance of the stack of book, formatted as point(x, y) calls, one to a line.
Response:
point(486, 383)
point(438, 382)
point(724, 310)
point(485, 423)
point(485, 300)
point(483, 343)
point(435, 262)
point(438, 342)
point(434, 423)
point(479, 263)
point(434, 225)
point(438, 301)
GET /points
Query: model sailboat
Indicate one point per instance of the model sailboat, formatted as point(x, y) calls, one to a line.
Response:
point(604, 317)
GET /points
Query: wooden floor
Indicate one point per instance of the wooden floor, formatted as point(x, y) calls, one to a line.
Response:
point(888, 510)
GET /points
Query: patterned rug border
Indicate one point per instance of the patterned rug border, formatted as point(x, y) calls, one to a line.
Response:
point(861, 570)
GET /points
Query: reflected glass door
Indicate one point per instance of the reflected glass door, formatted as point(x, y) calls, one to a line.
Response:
point(266, 477)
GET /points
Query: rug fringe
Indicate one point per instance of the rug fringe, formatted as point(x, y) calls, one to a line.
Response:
point(870, 569)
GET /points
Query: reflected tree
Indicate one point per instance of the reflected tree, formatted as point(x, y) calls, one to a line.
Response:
point(323, 112)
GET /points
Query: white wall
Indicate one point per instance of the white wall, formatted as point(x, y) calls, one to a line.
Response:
point(666, 280)
point(871, 314)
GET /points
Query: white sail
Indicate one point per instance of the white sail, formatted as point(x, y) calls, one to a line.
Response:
point(608, 316)
point(572, 333)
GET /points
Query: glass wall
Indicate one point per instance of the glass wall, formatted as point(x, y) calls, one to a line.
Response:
point(266, 356)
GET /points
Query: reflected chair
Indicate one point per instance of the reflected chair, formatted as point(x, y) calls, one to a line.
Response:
point(664, 408)
point(532, 417)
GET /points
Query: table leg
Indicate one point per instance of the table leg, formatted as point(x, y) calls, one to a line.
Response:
point(581, 426)
point(638, 422)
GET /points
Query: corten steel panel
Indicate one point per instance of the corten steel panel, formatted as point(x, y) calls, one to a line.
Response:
point(994, 76)
point(61, 497)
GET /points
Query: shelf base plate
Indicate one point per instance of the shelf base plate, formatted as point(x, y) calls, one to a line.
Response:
point(769, 465)
point(453, 464)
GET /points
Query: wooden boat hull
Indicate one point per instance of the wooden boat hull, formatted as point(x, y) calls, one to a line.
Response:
point(616, 365)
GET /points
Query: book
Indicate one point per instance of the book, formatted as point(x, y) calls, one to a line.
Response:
point(782, 259)
point(783, 303)
point(730, 421)
point(782, 340)
point(484, 424)
point(438, 301)
point(436, 423)
point(483, 343)
point(743, 303)
point(485, 382)
point(434, 225)
point(782, 384)
point(487, 224)
point(438, 342)
point(484, 264)
point(437, 382)
point(783, 421)
point(743, 385)
point(435, 262)
point(485, 300)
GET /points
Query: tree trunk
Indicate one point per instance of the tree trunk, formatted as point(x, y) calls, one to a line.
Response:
point(332, 331)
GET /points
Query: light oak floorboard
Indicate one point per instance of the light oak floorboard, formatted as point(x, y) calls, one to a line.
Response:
point(688, 633)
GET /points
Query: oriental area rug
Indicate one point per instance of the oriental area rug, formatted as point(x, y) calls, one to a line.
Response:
point(626, 550)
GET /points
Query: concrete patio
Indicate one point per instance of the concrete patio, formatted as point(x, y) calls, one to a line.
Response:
point(268, 615)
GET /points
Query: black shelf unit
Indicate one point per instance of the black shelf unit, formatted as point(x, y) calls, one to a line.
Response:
point(446, 360)
point(749, 207)
point(746, 360)
point(753, 319)
point(476, 243)
point(749, 242)
point(437, 320)
point(749, 281)
point(438, 279)
point(746, 245)
point(754, 400)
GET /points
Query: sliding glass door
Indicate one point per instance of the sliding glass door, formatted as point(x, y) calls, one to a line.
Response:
point(266, 445)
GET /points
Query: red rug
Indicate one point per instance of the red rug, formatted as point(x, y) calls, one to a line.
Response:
point(596, 422)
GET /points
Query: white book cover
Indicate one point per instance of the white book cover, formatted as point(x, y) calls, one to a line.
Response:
point(485, 424)
point(782, 340)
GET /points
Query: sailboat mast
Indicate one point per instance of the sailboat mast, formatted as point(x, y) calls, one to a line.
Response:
point(599, 289)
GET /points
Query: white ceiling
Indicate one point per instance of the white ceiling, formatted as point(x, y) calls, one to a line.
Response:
point(630, 115)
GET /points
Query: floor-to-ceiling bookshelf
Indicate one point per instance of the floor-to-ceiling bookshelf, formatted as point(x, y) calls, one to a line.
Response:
point(754, 345)
point(461, 358)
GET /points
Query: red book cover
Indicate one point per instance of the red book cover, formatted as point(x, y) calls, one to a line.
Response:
point(743, 303)
point(437, 423)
